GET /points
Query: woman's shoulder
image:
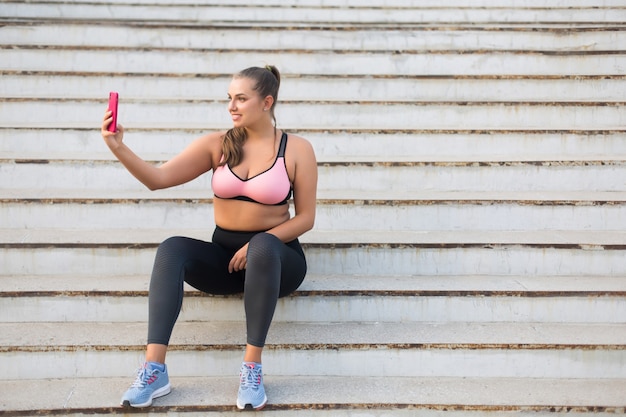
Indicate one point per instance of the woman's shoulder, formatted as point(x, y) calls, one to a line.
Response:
point(297, 141)
point(293, 136)
point(210, 144)
point(212, 138)
point(299, 149)
point(212, 141)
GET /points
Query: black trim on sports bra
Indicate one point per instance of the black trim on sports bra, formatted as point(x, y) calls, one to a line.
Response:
point(281, 154)
point(282, 146)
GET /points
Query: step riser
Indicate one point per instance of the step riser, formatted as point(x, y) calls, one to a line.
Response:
point(570, 363)
point(466, 308)
point(334, 146)
point(463, 261)
point(323, 115)
point(328, 396)
point(403, 4)
point(87, 175)
point(309, 89)
point(367, 410)
point(181, 215)
point(292, 38)
point(352, 285)
point(360, 63)
point(413, 179)
point(407, 179)
point(511, 260)
point(308, 15)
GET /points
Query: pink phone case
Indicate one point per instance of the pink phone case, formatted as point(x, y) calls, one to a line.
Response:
point(113, 98)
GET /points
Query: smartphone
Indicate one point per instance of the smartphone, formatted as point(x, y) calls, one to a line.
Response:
point(113, 98)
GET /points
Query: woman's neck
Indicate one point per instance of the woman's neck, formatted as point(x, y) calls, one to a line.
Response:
point(264, 133)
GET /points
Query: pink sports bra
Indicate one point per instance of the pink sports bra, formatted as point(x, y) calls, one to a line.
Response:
point(271, 187)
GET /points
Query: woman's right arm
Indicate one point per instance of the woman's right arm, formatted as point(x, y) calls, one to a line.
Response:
point(196, 159)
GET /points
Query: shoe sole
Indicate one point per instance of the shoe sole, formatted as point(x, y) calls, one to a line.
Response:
point(249, 406)
point(156, 394)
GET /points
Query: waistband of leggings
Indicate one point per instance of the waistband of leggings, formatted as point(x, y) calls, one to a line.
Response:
point(235, 239)
point(240, 232)
point(232, 239)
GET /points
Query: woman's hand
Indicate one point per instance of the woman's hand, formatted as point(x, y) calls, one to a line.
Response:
point(238, 261)
point(112, 139)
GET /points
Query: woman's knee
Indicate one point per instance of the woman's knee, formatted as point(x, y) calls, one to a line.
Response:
point(263, 248)
point(172, 244)
point(169, 252)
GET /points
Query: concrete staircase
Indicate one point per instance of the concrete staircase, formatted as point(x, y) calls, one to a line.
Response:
point(468, 255)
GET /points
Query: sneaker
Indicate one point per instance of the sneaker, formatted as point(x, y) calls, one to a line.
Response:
point(251, 391)
point(149, 384)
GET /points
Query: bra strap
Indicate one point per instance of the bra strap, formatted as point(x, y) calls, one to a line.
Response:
point(282, 146)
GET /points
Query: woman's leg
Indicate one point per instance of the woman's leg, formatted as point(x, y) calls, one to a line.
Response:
point(203, 265)
point(178, 259)
point(273, 269)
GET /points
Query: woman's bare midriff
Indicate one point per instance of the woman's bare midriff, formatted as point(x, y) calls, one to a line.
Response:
point(247, 216)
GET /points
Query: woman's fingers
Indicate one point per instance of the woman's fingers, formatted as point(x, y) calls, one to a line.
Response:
point(237, 263)
point(106, 121)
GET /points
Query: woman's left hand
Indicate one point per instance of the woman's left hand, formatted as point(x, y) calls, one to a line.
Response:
point(238, 261)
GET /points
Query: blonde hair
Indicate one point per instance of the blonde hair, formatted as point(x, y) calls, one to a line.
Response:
point(267, 82)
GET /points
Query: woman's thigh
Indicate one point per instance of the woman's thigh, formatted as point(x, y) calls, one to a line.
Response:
point(204, 265)
point(270, 259)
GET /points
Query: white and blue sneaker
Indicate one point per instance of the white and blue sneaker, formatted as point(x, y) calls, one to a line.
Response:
point(152, 381)
point(251, 391)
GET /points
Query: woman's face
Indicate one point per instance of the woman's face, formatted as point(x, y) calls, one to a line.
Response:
point(245, 106)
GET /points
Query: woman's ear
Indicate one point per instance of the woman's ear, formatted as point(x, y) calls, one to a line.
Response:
point(268, 102)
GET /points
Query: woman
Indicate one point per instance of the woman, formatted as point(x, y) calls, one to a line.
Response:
point(254, 249)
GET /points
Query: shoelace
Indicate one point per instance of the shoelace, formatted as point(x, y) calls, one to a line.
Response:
point(144, 376)
point(251, 377)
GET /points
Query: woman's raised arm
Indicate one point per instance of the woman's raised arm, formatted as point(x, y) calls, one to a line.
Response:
point(198, 158)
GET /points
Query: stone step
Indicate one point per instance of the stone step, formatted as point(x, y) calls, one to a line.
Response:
point(336, 145)
point(142, 236)
point(325, 299)
point(89, 86)
point(441, 257)
point(551, 197)
point(402, 4)
point(329, 396)
point(417, 4)
point(346, 214)
point(401, 39)
point(475, 306)
point(309, 14)
point(412, 178)
point(338, 349)
point(336, 285)
point(150, 60)
point(317, 115)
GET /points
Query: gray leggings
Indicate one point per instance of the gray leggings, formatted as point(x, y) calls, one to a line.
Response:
point(274, 269)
